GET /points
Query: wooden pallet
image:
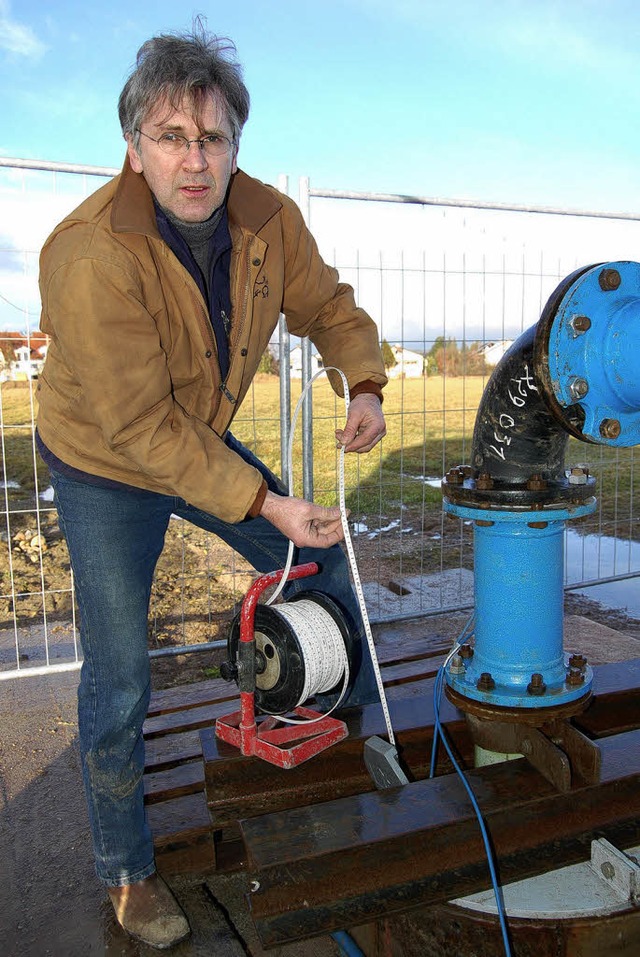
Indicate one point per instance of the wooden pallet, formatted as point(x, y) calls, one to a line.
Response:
point(197, 788)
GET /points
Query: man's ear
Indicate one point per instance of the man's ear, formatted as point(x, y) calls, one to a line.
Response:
point(132, 153)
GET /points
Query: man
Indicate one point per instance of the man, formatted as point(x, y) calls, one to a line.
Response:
point(160, 294)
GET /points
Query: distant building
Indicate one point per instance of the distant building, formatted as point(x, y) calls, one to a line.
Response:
point(408, 364)
point(22, 356)
point(494, 351)
point(295, 362)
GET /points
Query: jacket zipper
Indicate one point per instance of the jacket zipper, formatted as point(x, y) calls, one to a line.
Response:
point(210, 338)
point(238, 329)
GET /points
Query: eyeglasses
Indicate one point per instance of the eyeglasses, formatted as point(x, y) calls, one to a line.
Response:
point(214, 144)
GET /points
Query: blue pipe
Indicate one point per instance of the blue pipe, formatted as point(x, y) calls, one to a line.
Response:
point(519, 611)
point(576, 373)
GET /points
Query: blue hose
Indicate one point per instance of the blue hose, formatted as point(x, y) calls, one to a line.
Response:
point(438, 732)
point(347, 945)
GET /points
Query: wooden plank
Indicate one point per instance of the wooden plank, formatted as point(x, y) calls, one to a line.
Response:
point(184, 697)
point(171, 750)
point(615, 705)
point(617, 678)
point(196, 856)
point(174, 782)
point(180, 818)
point(182, 835)
point(189, 720)
point(345, 862)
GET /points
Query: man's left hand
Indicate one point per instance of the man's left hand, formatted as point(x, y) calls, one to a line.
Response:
point(365, 424)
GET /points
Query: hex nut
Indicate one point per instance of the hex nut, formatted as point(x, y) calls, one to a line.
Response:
point(455, 476)
point(485, 682)
point(580, 324)
point(610, 428)
point(536, 483)
point(456, 665)
point(575, 677)
point(536, 686)
point(578, 476)
point(578, 388)
point(484, 482)
point(609, 280)
point(578, 661)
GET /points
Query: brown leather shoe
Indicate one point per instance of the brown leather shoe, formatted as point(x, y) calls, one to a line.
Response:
point(148, 911)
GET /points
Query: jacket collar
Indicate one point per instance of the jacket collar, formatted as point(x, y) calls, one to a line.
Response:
point(250, 204)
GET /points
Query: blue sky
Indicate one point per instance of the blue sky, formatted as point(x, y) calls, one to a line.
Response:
point(507, 101)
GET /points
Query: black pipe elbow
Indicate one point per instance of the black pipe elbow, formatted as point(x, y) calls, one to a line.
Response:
point(521, 433)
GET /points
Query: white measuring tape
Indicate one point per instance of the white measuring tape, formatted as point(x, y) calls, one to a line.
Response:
point(321, 644)
point(311, 635)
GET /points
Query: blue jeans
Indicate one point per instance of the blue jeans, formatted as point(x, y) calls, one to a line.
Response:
point(115, 537)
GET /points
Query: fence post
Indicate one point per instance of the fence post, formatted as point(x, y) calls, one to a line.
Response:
point(307, 410)
point(284, 362)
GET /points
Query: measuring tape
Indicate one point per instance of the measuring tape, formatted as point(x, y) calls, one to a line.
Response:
point(307, 628)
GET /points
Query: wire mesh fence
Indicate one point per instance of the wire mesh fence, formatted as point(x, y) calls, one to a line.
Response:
point(449, 285)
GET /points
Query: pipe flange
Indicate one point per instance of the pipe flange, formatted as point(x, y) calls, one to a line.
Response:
point(587, 352)
point(554, 494)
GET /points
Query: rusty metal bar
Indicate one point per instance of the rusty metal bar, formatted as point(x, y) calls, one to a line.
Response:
point(241, 787)
point(345, 862)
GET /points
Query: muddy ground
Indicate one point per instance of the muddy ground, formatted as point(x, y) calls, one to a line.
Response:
point(199, 582)
point(51, 904)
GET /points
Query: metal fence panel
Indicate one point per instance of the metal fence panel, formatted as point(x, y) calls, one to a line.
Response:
point(430, 272)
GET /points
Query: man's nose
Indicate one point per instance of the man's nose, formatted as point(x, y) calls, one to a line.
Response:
point(195, 157)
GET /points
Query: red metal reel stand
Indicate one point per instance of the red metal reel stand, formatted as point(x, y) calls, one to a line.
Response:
point(265, 739)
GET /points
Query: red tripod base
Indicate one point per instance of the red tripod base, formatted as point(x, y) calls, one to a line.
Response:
point(268, 738)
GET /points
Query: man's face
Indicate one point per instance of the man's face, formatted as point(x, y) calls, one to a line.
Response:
point(192, 184)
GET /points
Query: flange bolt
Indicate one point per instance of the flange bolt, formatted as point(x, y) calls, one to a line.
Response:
point(578, 388)
point(575, 677)
point(536, 686)
point(610, 428)
point(580, 325)
point(578, 475)
point(578, 661)
point(456, 665)
point(536, 483)
point(609, 280)
point(484, 482)
point(485, 682)
point(455, 476)
point(466, 651)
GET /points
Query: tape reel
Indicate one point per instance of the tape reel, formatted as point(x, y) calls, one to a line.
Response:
point(302, 647)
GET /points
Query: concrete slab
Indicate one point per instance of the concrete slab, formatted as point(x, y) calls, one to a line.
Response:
point(598, 643)
point(415, 594)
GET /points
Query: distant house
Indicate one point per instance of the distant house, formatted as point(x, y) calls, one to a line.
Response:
point(295, 362)
point(22, 356)
point(408, 364)
point(494, 351)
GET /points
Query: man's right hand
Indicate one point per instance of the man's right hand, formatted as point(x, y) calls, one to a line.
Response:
point(306, 524)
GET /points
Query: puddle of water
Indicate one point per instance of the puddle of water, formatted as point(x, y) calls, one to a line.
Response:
point(592, 556)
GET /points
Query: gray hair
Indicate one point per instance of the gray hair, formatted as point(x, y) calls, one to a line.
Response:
point(176, 66)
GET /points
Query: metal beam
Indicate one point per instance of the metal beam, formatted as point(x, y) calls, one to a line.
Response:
point(349, 861)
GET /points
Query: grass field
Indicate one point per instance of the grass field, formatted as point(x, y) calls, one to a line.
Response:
point(397, 512)
point(429, 429)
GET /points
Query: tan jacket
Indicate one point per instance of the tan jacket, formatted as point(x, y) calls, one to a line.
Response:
point(131, 385)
